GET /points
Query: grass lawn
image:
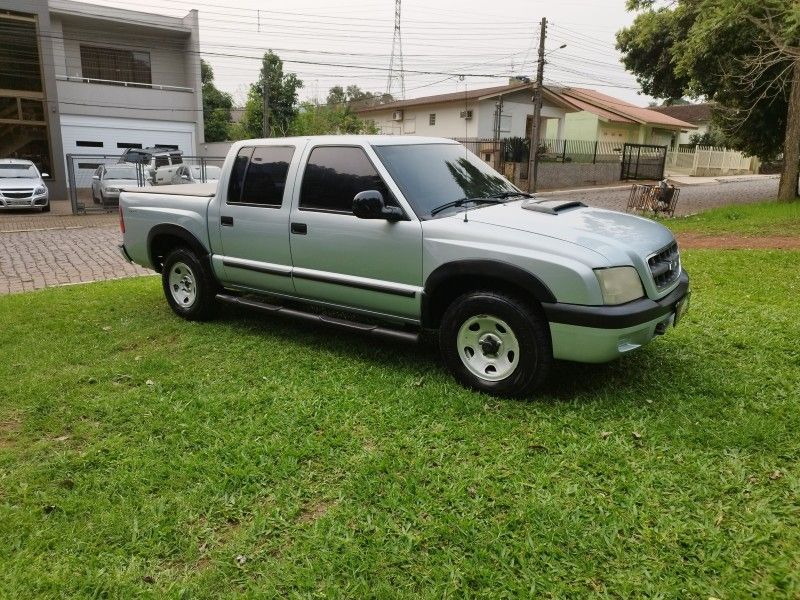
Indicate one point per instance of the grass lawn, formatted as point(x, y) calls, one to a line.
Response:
point(144, 456)
point(761, 219)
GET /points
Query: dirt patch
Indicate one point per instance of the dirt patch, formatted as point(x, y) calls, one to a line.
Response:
point(8, 431)
point(312, 512)
point(689, 241)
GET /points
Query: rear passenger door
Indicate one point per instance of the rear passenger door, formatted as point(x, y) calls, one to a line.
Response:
point(254, 219)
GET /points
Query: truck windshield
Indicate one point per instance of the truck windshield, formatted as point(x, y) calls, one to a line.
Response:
point(432, 175)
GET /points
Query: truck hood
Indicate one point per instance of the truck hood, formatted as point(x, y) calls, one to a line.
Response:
point(613, 234)
point(14, 182)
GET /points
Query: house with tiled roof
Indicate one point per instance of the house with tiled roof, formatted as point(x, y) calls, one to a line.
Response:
point(698, 115)
point(495, 112)
point(604, 118)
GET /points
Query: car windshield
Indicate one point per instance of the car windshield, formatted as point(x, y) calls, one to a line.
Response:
point(17, 170)
point(121, 173)
point(432, 175)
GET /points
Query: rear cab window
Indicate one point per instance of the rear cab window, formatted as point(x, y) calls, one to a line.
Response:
point(334, 175)
point(258, 176)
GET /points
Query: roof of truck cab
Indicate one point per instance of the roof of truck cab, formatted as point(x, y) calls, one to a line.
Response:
point(373, 140)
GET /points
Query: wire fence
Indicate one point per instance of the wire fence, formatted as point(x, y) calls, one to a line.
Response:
point(499, 152)
point(94, 181)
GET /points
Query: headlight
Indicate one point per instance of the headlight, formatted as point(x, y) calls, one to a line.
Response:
point(40, 190)
point(619, 284)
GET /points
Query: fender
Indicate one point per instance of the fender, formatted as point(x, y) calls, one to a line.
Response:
point(478, 269)
point(179, 232)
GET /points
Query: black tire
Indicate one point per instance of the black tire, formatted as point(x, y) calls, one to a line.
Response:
point(46, 207)
point(528, 368)
point(94, 198)
point(201, 306)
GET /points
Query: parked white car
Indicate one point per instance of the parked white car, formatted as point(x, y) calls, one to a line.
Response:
point(108, 180)
point(22, 186)
point(179, 174)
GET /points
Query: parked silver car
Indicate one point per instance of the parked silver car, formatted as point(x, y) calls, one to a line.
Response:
point(108, 180)
point(22, 186)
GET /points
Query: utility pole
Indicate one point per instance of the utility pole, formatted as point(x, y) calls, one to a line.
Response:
point(265, 121)
point(537, 111)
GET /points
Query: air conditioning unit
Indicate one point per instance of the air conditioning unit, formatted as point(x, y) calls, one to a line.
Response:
point(466, 114)
point(397, 115)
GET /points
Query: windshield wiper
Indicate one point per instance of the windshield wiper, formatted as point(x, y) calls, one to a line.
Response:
point(463, 201)
point(493, 199)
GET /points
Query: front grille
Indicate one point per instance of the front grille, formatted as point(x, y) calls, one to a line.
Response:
point(665, 265)
point(17, 193)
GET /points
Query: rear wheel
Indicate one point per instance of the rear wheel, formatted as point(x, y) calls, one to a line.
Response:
point(496, 343)
point(188, 286)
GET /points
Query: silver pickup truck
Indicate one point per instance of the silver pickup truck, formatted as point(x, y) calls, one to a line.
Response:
point(405, 234)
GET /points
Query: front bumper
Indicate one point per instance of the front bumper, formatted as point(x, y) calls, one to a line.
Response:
point(602, 333)
point(16, 203)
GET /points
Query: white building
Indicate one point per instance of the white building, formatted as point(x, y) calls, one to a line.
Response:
point(497, 112)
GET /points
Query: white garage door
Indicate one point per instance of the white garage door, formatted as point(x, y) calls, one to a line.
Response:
point(105, 135)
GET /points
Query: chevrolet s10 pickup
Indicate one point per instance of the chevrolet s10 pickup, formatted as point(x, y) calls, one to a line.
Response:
point(404, 234)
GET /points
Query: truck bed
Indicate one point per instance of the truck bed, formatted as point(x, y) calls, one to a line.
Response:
point(202, 190)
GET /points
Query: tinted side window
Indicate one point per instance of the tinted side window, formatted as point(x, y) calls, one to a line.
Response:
point(334, 175)
point(266, 175)
point(237, 175)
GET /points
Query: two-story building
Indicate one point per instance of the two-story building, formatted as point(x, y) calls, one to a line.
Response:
point(490, 113)
point(89, 79)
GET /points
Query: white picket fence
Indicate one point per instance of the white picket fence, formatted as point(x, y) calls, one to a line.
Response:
point(707, 161)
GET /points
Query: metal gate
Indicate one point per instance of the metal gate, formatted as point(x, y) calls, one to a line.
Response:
point(643, 161)
point(84, 178)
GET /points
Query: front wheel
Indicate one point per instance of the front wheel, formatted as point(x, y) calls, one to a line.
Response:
point(46, 207)
point(188, 286)
point(496, 343)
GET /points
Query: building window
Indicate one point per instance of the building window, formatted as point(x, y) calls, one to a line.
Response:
point(125, 146)
point(19, 55)
point(28, 142)
point(114, 65)
point(432, 119)
point(85, 144)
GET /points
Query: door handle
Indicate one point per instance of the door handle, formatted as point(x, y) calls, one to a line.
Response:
point(300, 228)
point(228, 221)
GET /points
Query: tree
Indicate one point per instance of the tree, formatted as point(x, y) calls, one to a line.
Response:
point(282, 99)
point(354, 95)
point(313, 119)
point(216, 106)
point(744, 56)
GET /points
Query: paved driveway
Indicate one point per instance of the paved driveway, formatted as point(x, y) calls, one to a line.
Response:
point(43, 250)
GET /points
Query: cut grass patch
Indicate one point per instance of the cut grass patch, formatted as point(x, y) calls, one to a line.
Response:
point(774, 219)
point(254, 456)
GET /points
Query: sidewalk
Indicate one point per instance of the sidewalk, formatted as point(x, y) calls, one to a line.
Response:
point(59, 217)
point(680, 180)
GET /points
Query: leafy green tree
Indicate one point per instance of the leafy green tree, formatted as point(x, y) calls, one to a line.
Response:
point(216, 106)
point(354, 95)
point(743, 55)
point(313, 119)
point(282, 99)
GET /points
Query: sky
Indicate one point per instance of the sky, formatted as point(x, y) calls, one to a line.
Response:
point(330, 43)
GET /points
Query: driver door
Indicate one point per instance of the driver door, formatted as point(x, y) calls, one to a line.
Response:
point(370, 264)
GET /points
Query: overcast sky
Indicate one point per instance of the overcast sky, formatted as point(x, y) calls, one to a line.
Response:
point(486, 40)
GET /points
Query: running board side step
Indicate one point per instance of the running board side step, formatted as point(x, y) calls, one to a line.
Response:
point(376, 330)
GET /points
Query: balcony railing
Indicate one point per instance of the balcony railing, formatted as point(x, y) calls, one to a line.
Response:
point(152, 86)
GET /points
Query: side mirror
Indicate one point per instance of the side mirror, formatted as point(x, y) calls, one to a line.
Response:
point(370, 205)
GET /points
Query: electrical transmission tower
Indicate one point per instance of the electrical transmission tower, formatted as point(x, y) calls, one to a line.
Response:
point(396, 60)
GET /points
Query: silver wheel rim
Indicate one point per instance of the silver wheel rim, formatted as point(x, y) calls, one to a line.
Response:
point(488, 347)
point(182, 285)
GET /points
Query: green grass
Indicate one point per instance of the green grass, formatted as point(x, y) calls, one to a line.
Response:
point(761, 219)
point(141, 455)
